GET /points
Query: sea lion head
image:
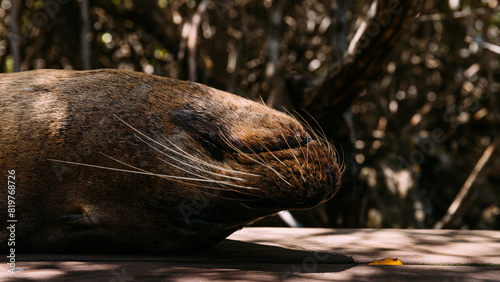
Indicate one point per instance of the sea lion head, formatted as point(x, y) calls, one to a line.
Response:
point(237, 161)
point(263, 158)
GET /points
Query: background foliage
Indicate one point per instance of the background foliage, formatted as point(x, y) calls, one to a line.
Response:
point(410, 137)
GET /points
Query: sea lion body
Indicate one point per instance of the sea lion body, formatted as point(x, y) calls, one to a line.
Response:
point(111, 160)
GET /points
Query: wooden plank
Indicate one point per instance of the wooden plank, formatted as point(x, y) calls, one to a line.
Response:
point(168, 271)
point(270, 254)
point(366, 245)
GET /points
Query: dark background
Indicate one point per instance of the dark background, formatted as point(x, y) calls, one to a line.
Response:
point(406, 90)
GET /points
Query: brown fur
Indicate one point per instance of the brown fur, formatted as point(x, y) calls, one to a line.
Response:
point(261, 161)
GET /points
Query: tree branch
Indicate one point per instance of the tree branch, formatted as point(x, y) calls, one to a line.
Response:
point(332, 96)
point(149, 15)
point(274, 76)
point(14, 37)
point(84, 33)
point(193, 39)
point(339, 16)
point(240, 48)
point(457, 204)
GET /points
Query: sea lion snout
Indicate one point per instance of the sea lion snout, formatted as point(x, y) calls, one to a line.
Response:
point(287, 166)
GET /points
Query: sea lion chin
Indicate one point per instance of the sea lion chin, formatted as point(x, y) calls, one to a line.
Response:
point(119, 161)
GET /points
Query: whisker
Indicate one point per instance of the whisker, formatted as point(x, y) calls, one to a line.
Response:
point(323, 134)
point(186, 183)
point(188, 156)
point(323, 139)
point(307, 151)
point(172, 178)
point(243, 153)
point(184, 153)
point(293, 153)
point(205, 179)
point(285, 165)
point(179, 181)
point(132, 171)
point(235, 199)
point(272, 154)
point(208, 179)
point(295, 157)
point(203, 170)
point(190, 165)
point(262, 162)
point(260, 209)
point(262, 100)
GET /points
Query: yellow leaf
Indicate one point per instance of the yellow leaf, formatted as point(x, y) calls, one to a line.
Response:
point(387, 261)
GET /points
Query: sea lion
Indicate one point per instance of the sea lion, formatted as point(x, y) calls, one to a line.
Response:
point(119, 161)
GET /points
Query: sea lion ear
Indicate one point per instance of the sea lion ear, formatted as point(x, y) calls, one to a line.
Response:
point(75, 219)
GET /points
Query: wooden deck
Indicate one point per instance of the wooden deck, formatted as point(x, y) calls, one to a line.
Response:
point(273, 254)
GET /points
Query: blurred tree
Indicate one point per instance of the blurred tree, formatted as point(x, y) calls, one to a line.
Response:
point(410, 102)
